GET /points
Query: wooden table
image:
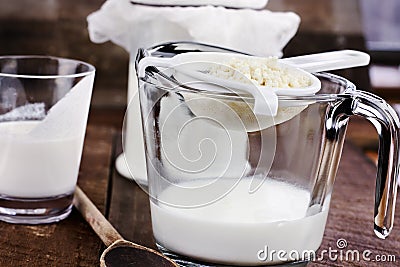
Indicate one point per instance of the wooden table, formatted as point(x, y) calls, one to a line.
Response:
point(73, 243)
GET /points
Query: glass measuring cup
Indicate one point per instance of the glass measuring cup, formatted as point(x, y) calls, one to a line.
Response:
point(221, 194)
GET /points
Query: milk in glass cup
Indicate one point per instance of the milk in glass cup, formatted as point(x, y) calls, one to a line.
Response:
point(44, 104)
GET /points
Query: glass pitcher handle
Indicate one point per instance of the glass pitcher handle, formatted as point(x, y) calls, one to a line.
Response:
point(387, 124)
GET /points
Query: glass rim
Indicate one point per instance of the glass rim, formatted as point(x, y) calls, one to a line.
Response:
point(347, 85)
point(91, 68)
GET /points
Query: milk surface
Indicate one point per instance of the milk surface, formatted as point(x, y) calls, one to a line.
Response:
point(238, 227)
point(33, 167)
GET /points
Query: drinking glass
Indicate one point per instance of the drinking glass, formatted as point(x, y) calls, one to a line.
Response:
point(44, 104)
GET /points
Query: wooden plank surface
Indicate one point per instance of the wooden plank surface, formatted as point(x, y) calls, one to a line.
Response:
point(129, 207)
point(350, 217)
point(70, 242)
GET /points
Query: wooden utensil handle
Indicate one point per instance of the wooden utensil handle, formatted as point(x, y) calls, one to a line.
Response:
point(103, 228)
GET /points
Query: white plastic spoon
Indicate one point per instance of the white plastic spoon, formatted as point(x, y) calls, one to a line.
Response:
point(201, 63)
point(195, 67)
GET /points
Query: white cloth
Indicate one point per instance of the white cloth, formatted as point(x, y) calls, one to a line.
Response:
point(257, 4)
point(259, 32)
